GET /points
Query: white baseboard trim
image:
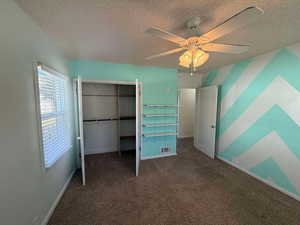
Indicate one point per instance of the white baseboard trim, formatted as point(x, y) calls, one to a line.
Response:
point(260, 179)
point(189, 136)
point(55, 203)
point(96, 151)
point(158, 156)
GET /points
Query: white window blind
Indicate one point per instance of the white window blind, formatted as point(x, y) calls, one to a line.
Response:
point(55, 121)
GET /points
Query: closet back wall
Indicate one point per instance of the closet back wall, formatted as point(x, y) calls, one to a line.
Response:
point(159, 87)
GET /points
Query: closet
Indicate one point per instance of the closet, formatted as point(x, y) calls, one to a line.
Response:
point(108, 118)
point(108, 121)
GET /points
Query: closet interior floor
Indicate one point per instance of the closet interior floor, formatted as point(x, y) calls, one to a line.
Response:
point(189, 188)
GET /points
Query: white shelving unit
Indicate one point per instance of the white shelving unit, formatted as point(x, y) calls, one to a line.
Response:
point(161, 111)
point(159, 124)
point(161, 115)
point(159, 134)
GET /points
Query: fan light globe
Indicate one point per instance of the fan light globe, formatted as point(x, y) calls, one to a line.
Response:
point(194, 57)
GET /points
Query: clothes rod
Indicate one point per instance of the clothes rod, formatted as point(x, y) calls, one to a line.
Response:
point(121, 118)
point(100, 95)
point(97, 120)
point(131, 96)
point(128, 118)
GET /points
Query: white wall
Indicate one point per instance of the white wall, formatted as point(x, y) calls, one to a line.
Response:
point(184, 80)
point(27, 190)
point(187, 98)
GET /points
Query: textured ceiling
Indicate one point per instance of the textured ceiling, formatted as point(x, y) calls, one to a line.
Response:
point(114, 30)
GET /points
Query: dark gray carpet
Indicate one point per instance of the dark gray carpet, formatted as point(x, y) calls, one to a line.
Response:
point(188, 188)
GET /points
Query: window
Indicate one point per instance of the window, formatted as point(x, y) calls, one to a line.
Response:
point(54, 114)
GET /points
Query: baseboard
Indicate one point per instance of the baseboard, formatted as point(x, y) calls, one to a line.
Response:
point(189, 136)
point(260, 179)
point(55, 203)
point(96, 151)
point(158, 156)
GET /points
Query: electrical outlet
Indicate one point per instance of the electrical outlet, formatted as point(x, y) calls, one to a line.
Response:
point(165, 149)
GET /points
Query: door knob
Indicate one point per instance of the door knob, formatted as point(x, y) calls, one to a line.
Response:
point(212, 126)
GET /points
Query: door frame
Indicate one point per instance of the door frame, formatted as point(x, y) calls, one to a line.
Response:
point(120, 82)
point(109, 82)
point(138, 124)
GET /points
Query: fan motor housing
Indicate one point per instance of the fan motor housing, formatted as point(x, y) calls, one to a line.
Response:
point(193, 23)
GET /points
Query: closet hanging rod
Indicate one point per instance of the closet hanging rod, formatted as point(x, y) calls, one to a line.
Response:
point(133, 96)
point(128, 118)
point(101, 95)
point(96, 120)
point(127, 137)
point(121, 118)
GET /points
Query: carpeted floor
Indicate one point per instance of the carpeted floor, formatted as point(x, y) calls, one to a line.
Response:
point(188, 188)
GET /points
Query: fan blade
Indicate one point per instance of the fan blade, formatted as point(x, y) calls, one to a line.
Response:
point(233, 49)
point(166, 53)
point(166, 35)
point(237, 21)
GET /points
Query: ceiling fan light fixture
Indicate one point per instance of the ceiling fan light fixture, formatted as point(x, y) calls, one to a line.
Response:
point(185, 59)
point(194, 57)
point(200, 57)
point(197, 47)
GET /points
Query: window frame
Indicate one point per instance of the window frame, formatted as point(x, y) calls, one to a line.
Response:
point(36, 66)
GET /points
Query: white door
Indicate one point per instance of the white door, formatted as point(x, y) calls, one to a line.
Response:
point(138, 126)
point(80, 126)
point(206, 116)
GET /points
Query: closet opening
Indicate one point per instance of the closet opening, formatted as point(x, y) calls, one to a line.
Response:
point(109, 127)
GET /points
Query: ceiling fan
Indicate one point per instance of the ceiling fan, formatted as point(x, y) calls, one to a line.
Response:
point(198, 46)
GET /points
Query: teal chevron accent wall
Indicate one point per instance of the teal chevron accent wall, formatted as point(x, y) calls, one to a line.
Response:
point(259, 123)
point(273, 120)
point(159, 87)
point(269, 169)
point(210, 77)
point(233, 75)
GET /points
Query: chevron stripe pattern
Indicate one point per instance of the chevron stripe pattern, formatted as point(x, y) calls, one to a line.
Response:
point(259, 122)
